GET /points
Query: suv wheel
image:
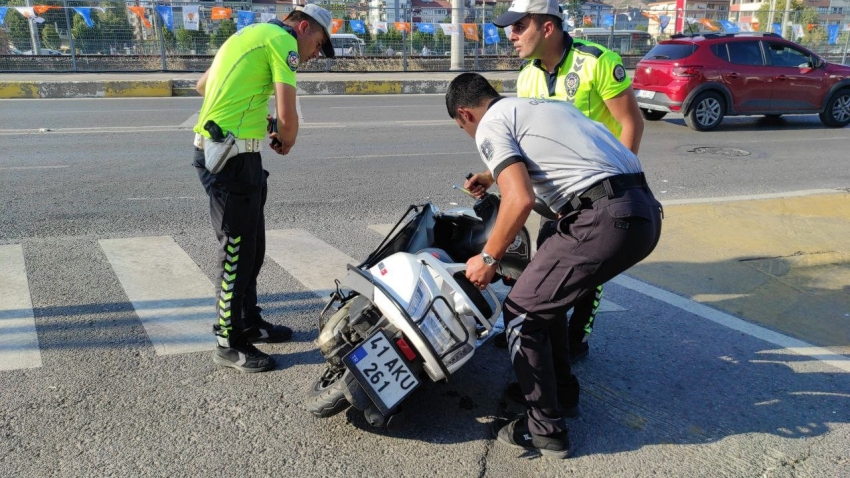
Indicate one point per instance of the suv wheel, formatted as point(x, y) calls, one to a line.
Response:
point(837, 112)
point(706, 112)
point(651, 115)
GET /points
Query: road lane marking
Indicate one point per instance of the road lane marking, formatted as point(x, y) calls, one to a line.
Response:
point(18, 337)
point(24, 168)
point(788, 344)
point(191, 122)
point(311, 261)
point(171, 295)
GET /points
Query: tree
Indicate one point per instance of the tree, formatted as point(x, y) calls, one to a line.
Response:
point(197, 40)
point(226, 28)
point(18, 27)
point(50, 37)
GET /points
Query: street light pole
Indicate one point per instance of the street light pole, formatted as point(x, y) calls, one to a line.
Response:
point(785, 16)
point(36, 45)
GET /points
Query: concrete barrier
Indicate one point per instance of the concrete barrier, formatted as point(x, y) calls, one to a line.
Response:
point(186, 87)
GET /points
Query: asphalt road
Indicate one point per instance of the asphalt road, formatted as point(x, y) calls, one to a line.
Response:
point(665, 392)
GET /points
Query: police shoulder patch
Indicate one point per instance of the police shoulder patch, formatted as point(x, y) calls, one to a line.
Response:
point(619, 73)
point(292, 60)
point(487, 149)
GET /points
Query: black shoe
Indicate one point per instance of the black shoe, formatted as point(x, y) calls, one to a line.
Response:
point(569, 407)
point(516, 434)
point(264, 332)
point(245, 358)
point(578, 351)
point(501, 340)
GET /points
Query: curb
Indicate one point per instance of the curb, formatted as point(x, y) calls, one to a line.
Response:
point(186, 87)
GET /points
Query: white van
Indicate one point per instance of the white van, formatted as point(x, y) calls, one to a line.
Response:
point(347, 44)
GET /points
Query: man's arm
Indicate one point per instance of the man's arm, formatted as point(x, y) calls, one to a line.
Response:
point(517, 203)
point(287, 116)
point(201, 85)
point(625, 110)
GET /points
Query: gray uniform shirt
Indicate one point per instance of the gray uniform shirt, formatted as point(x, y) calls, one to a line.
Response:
point(564, 151)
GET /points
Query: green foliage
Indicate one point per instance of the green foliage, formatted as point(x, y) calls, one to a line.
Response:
point(50, 37)
point(4, 43)
point(226, 28)
point(168, 38)
point(188, 40)
point(18, 27)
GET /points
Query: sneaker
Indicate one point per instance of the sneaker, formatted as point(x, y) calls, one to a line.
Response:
point(569, 409)
point(245, 358)
point(264, 332)
point(501, 340)
point(516, 433)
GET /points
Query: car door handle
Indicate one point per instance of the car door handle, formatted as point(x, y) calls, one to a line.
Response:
point(732, 75)
point(781, 77)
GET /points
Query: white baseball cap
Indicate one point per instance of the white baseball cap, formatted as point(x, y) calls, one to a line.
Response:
point(323, 18)
point(521, 8)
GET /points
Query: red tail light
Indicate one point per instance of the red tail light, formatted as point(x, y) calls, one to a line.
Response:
point(408, 352)
point(687, 70)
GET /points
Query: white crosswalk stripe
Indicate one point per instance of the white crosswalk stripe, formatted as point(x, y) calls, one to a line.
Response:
point(18, 337)
point(172, 297)
point(311, 261)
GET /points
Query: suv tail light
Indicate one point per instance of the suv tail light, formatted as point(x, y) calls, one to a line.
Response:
point(686, 70)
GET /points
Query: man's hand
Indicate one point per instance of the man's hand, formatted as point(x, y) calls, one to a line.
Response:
point(477, 184)
point(278, 146)
point(478, 272)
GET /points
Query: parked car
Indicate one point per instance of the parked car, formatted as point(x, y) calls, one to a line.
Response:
point(710, 76)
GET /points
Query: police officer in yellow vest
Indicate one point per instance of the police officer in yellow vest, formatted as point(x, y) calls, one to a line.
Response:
point(252, 65)
point(590, 77)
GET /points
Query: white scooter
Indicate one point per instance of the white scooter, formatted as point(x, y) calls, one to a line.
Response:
point(408, 313)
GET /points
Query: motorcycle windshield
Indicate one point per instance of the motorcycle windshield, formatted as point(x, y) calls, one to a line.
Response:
point(412, 237)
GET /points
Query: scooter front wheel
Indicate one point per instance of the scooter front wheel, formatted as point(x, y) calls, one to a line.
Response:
point(327, 397)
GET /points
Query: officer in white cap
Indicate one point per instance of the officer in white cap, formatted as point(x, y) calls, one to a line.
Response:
point(258, 61)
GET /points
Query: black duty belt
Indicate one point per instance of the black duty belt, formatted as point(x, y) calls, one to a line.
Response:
point(607, 187)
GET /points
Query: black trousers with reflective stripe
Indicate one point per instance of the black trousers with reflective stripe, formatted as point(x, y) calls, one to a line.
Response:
point(589, 247)
point(237, 199)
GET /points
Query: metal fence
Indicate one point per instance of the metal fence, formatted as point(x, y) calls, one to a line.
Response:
point(71, 35)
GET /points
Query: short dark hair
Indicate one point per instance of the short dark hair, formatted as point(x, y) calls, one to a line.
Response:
point(541, 18)
point(468, 90)
point(297, 16)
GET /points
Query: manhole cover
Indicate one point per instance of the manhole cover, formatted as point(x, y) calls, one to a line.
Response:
point(720, 151)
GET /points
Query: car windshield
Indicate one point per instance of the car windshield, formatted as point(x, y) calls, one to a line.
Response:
point(670, 51)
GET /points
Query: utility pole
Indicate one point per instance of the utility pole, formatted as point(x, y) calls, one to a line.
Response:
point(36, 45)
point(457, 39)
point(785, 16)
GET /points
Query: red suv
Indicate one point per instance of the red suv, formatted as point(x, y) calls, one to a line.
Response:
point(709, 76)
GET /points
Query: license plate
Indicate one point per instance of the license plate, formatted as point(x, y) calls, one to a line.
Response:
point(645, 94)
point(381, 371)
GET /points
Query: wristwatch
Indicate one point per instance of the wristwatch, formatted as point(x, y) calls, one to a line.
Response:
point(488, 259)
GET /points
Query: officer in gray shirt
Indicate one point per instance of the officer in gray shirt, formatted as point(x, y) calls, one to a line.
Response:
point(608, 221)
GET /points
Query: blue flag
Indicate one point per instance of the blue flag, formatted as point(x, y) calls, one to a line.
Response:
point(425, 27)
point(3, 15)
point(777, 28)
point(243, 19)
point(167, 14)
point(357, 26)
point(663, 21)
point(730, 27)
point(832, 34)
point(608, 20)
point(491, 34)
point(85, 12)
